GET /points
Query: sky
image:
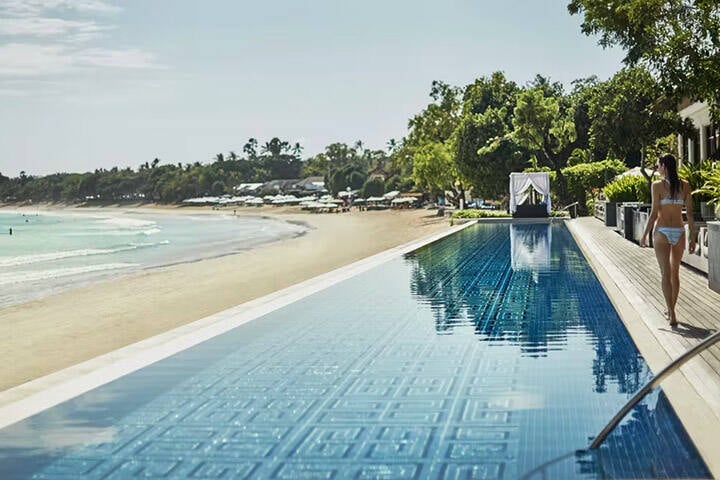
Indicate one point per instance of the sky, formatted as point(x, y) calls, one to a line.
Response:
point(86, 84)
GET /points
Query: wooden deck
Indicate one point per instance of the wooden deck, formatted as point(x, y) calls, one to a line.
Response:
point(631, 277)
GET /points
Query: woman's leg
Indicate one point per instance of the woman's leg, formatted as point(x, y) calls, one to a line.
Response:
point(662, 253)
point(676, 253)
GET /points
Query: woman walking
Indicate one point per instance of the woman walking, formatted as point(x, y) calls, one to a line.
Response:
point(669, 195)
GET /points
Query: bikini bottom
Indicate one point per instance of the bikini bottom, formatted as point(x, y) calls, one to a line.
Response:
point(673, 234)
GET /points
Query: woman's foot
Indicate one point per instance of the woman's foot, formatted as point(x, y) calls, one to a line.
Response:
point(673, 321)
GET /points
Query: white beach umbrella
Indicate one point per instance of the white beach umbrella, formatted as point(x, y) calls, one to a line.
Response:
point(391, 195)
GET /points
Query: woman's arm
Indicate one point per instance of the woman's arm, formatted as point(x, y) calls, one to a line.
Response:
point(653, 214)
point(690, 216)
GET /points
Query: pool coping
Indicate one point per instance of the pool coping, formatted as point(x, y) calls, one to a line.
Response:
point(642, 321)
point(35, 396)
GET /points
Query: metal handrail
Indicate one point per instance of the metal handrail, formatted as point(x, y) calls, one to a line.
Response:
point(673, 366)
point(574, 204)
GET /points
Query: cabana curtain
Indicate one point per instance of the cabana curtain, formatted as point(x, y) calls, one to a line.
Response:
point(519, 183)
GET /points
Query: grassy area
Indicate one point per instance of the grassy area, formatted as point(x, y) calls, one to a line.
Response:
point(473, 213)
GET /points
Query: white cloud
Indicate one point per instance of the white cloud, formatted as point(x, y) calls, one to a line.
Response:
point(101, 57)
point(45, 42)
point(22, 59)
point(49, 27)
point(27, 59)
point(32, 8)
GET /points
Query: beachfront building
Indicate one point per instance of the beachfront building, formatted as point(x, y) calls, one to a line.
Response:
point(705, 143)
point(309, 184)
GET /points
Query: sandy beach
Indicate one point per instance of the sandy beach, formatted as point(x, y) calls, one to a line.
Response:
point(46, 335)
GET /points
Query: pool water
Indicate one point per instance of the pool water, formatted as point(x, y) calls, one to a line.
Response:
point(483, 355)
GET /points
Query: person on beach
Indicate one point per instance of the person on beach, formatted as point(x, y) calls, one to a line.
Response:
point(669, 195)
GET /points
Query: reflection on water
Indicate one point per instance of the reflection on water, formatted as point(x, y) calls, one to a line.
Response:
point(530, 247)
point(530, 288)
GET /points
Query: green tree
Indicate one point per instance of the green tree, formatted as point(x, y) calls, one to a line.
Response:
point(373, 187)
point(540, 126)
point(435, 170)
point(279, 159)
point(315, 166)
point(678, 39)
point(629, 114)
point(218, 188)
point(484, 152)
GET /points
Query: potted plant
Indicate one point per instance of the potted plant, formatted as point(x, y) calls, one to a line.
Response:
point(626, 192)
point(697, 176)
point(711, 188)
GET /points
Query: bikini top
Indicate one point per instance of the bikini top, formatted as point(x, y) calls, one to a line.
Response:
point(670, 200)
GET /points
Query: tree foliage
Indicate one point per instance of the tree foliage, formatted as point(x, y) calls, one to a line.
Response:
point(484, 151)
point(629, 114)
point(373, 187)
point(679, 40)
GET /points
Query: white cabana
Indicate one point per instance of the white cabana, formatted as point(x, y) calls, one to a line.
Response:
point(521, 182)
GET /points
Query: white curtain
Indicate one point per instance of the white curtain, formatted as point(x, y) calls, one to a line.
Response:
point(520, 182)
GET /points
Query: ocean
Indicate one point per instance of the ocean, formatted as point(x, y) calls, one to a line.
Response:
point(50, 251)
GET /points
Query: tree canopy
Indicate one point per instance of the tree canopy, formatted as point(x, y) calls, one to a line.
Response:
point(679, 40)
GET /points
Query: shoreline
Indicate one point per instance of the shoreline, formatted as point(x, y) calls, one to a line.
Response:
point(104, 316)
point(197, 255)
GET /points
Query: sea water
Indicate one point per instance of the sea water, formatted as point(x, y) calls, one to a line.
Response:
point(52, 251)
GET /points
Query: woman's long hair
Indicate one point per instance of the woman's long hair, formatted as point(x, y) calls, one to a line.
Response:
point(670, 164)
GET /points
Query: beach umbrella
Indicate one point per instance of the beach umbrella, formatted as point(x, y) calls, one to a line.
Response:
point(391, 195)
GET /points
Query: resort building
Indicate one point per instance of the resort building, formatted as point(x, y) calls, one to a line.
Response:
point(705, 144)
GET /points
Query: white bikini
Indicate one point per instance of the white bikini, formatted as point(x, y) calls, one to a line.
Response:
point(673, 234)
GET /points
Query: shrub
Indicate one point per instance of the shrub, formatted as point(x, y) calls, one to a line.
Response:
point(697, 176)
point(584, 178)
point(628, 189)
point(711, 187)
point(473, 213)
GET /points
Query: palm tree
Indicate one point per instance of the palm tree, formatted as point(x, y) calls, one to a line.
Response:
point(297, 149)
point(275, 147)
point(219, 157)
point(250, 148)
point(392, 145)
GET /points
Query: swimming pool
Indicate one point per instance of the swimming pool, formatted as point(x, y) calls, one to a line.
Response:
point(482, 355)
